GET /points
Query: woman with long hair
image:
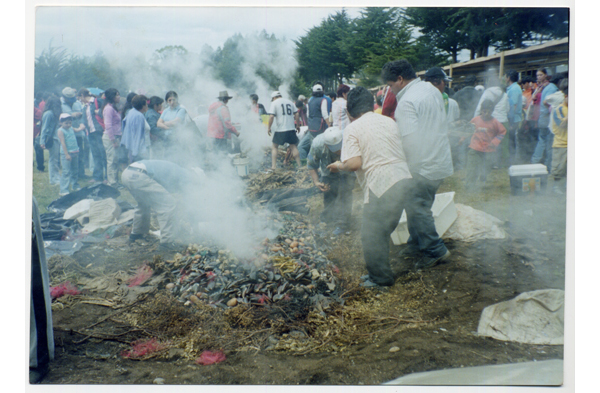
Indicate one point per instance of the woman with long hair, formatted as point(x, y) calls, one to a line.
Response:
point(128, 104)
point(49, 138)
point(112, 134)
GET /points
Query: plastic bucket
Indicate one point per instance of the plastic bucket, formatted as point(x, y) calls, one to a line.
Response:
point(241, 165)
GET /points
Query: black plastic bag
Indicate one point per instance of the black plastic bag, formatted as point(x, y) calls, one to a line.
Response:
point(95, 192)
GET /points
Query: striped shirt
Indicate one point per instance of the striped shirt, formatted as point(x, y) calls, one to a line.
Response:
point(375, 139)
point(423, 124)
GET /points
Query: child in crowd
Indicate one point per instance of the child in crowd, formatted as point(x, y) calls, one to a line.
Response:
point(69, 155)
point(559, 146)
point(489, 132)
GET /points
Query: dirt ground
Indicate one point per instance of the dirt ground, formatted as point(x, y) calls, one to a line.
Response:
point(431, 317)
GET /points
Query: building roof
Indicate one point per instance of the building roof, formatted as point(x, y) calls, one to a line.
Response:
point(546, 55)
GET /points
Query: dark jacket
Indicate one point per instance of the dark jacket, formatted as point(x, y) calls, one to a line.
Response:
point(97, 126)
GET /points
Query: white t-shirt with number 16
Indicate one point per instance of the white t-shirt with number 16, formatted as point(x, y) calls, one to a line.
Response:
point(283, 110)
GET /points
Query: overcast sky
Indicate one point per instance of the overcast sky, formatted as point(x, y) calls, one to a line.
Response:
point(128, 30)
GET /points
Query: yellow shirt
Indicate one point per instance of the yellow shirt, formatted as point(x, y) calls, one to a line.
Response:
point(560, 126)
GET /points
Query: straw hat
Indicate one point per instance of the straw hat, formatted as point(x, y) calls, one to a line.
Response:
point(223, 94)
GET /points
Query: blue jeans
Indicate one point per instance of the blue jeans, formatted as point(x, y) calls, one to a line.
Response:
point(70, 172)
point(544, 146)
point(337, 202)
point(54, 162)
point(84, 151)
point(99, 156)
point(39, 154)
point(380, 218)
point(420, 222)
point(304, 145)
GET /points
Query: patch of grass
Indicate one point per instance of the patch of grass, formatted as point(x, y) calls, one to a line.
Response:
point(45, 193)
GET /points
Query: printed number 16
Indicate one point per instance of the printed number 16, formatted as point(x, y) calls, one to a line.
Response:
point(287, 109)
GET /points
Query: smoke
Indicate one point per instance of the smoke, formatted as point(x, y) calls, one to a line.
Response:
point(217, 207)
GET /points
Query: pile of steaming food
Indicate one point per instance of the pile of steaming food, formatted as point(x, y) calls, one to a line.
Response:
point(292, 266)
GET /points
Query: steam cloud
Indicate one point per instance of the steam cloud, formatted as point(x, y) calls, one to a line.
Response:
point(223, 216)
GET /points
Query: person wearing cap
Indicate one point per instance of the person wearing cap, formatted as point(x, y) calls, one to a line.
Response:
point(283, 117)
point(155, 185)
point(373, 149)
point(69, 155)
point(438, 78)
point(422, 121)
point(219, 123)
point(336, 187)
point(318, 118)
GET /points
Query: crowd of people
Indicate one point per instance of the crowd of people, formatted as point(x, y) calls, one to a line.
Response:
point(399, 143)
point(405, 139)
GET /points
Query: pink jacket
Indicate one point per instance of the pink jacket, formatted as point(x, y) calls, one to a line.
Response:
point(219, 120)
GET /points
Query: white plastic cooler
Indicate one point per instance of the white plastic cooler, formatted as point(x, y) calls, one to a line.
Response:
point(528, 179)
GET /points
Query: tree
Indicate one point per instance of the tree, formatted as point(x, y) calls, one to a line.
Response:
point(379, 35)
point(320, 52)
point(49, 69)
point(438, 25)
point(521, 25)
point(55, 69)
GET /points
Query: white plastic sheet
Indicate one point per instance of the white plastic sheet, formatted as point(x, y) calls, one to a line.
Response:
point(472, 224)
point(535, 317)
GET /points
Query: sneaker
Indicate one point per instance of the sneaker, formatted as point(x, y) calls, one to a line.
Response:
point(428, 262)
point(409, 251)
point(134, 237)
point(62, 194)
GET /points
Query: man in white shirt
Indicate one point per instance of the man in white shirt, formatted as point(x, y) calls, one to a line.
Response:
point(283, 117)
point(422, 122)
point(373, 149)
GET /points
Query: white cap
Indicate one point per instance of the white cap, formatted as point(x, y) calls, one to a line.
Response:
point(316, 88)
point(275, 94)
point(333, 138)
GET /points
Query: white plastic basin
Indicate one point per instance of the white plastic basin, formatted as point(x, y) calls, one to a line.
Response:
point(444, 214)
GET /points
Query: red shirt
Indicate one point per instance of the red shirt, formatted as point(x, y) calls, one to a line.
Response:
point(389, 104)
point(37, 118)
point(219, 120)
point(488, 135)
